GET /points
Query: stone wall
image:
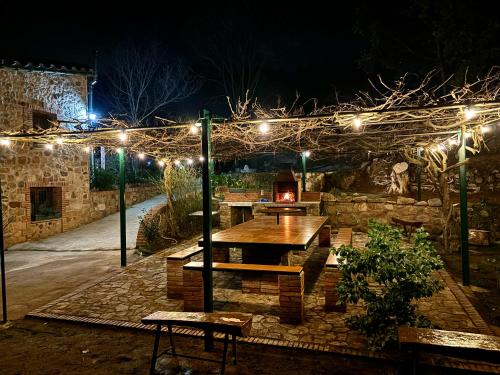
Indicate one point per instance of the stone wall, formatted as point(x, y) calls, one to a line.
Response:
point(104, 203)
point(356, 211)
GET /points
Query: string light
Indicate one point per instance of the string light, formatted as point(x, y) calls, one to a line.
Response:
point(470, 113)
point(198, 124)
point(264, 127)
point(307, 153)
point(161, 163)
point(86, 149)
point(177, 162)
point(453, 141)
point(468, 135)
point(5, 142)
point(190, 161)
point(485, 129)
point(201, 159)
point(118, 150)
point(193, 129)
point(141, 156)
point(357, 123)
point(49, 146)
point(123, 136)
point(59, 140)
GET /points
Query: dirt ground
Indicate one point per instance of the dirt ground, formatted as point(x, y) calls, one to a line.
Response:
point(484, 289)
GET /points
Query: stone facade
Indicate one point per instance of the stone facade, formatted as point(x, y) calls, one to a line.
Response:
point(355, 212)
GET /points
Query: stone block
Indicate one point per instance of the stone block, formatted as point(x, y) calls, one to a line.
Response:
point(291, 297)
point(332, 276)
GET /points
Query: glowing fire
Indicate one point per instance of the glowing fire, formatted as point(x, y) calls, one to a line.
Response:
point(285, 197)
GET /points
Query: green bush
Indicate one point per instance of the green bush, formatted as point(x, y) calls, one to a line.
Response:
point(104, 179)
point(403, 275)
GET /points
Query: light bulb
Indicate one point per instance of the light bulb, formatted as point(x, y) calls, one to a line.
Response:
point(485, 129)
point(453, 141)
point(177, 162)
point(357, 123)
point(49, 146)
point(161, 163)
point(193, 129)
point(307, 153)
point(189, 161)
point(122, 136)
point(470, 113)
point(59, 140)
point(264, 127)
point(5, 142)
point(141, 156)
point(86, 149)
point(201, 159)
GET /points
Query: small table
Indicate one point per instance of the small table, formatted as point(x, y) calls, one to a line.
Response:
point(408, 225)
point(280, 210)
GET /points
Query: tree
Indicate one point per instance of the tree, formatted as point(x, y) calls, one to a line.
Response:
point(142, 81)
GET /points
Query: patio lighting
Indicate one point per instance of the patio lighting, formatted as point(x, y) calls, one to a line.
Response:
point(440, 147)
point(123, 136)
point(193, 129)
point(307, 153)
point(86, 149)
point(141, 156)
point(118, 150)
point(453, 141)
point(177, 162)
point(198, 124)
point(92, 116)
point(201, 159)
point(5, 142)
point(485, 129)
point(468, 134)
point(264, 127)
point(49, 146)
point(161, 163)
point(470, 113)
point(189, 161)
point(357, 123)
point(59, 140)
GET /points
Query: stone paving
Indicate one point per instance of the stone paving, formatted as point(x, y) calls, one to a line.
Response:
point(141, 289)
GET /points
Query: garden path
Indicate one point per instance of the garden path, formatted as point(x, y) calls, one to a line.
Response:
point(103, 234)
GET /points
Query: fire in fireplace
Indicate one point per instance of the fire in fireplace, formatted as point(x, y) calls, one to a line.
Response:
point(286, 187)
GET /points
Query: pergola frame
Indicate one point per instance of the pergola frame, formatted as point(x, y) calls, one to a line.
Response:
point(413, 123)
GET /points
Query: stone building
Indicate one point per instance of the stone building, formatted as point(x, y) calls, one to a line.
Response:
point(44, 191)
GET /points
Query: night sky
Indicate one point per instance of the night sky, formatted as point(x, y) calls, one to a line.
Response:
point(320, 51)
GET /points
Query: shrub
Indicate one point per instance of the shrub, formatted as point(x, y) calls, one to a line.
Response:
point(403, 275)
point(103, 179)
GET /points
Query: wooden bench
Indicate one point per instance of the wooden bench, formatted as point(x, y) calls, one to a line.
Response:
point(290, 286)
point(175, 262)
point(332, 273)
point(465, 345)
point(234, 324)
point(310, 196)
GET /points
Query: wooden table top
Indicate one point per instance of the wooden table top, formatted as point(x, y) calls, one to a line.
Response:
point(292, 233)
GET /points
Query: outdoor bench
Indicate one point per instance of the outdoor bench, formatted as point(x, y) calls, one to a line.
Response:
point(332, 273)
point(174, 270)
point(464, 345)
point(290, 286)
point(234, 324)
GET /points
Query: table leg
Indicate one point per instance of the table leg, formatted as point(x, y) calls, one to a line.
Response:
point(278, 218)
point(234, 350)
point(170, 334)
point(155, 350)
point(223, 366)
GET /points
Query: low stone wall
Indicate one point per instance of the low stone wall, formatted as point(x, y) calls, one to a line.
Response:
point(104, 203)
point(355, 212)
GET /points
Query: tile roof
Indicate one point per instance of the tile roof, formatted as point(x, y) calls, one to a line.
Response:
point(46, 67)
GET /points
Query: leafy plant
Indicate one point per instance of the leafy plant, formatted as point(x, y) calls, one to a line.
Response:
point(103, 179)
point(402, 275)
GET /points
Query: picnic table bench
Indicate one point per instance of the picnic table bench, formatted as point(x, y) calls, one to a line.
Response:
point(234, 324)
point(332, 273)
point(465, 345)
point(290, 286)
point(175, 262)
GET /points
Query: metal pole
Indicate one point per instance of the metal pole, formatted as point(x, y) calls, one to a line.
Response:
point(123, 224)
point(207, 221)
point(464, 227)
point(2, 263)
point(303, 171)
point(419, 176)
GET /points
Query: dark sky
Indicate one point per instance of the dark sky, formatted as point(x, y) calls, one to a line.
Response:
point(316, 49)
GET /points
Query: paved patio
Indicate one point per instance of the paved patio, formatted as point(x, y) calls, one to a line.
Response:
point(141, 289)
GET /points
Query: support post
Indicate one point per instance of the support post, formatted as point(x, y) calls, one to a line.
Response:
point(207, 221)
point(419, 176)
point(123, 225)
point(464, 228)
point(2, 263)
point(304, 171)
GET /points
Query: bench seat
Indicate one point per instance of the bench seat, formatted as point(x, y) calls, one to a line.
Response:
point(332, 273)
point(464, 345)
point(174, 270)
point(228, 323)
point(290, 286)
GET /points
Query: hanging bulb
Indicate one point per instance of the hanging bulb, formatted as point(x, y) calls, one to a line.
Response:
point(469, 113)
point(161, 163)
point(189, 161)
point(5, 142)
point(59, 140)
point(485, 129)
point(307, 154)
point(49, 146)
point(122, 136)
point(357, 123)
point(201, 159)
point(193, 129)
point(264, 127)
point(141, 156)
point(177, 162)
point(86, 149)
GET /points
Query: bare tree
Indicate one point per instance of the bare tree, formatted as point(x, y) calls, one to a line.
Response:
point(143, 81)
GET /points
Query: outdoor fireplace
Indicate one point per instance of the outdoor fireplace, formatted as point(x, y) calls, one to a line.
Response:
point(286, 187)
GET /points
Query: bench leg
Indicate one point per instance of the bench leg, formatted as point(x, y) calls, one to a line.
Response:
point(224, 354)
point(170, 335)
point(234, 350)
point(155, 350)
